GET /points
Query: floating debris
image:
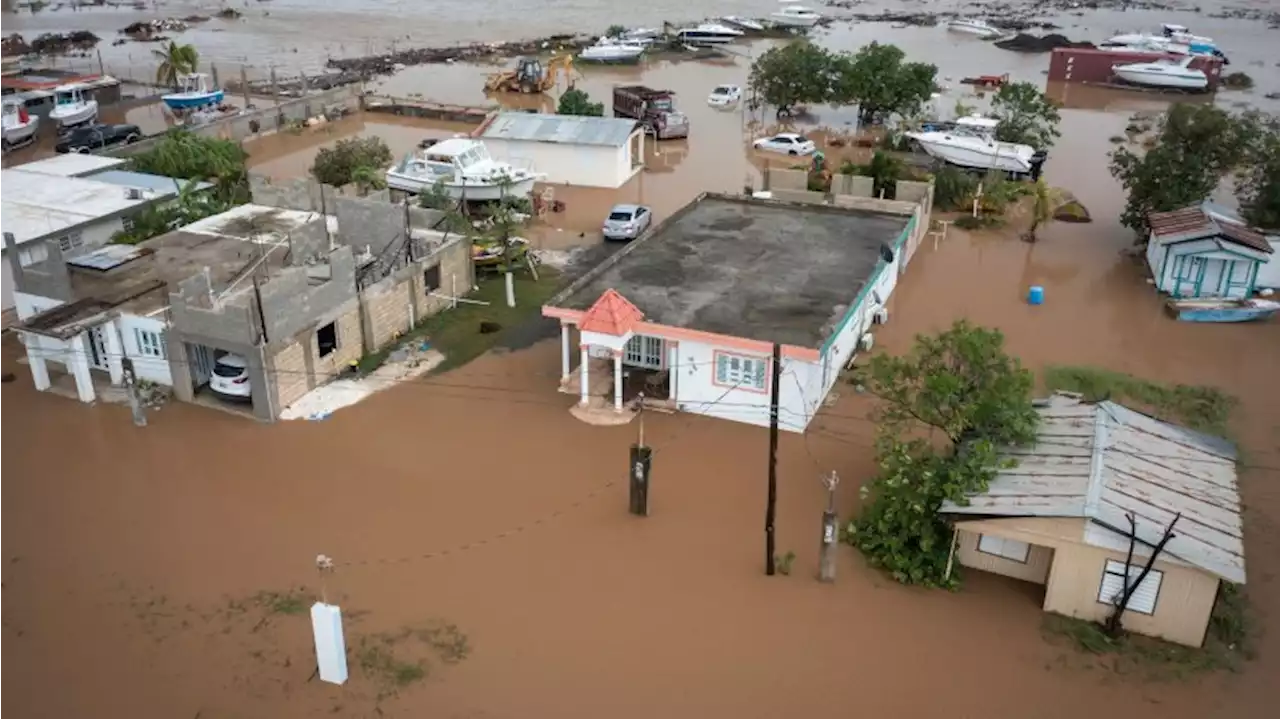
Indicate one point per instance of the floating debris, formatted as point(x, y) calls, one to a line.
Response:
point(1023, 42)
point(150, 30)
point(50, 43)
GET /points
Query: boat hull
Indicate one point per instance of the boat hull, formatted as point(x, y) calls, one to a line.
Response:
point(189, 100)
point(975, 30)
point(792, 21)
point(72, 115)
point(474, 192)
point(1162, 80)
point(744, 23)
point(1222, 311)
point(1002, 159)
point(612, 56)
point(19, 134)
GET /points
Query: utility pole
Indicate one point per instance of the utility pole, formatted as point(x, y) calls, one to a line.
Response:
point(131, 387)
point(771, 507)
point(826, 551)
point(641, 465)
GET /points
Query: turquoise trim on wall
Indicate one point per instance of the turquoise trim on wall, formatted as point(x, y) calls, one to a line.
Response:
point(1164, 277)
point(1200, 277)
point(871, 282)
point(1253, 279)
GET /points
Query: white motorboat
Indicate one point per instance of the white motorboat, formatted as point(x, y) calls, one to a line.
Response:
point(463, 167)
point(71, 107)
point(709, 33)
point(795, 16)
point(975, 26)
point(611, 50)
point(194, 90)
point(19, 125)
point(1173, 74)
point(970, 142)
point(641, 36)
point(1169, 33)
point(744, 23)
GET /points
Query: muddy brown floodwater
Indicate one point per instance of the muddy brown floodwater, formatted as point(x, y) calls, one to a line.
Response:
point(131, 556)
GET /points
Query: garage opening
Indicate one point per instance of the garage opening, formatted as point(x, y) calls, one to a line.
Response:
point(327, 338)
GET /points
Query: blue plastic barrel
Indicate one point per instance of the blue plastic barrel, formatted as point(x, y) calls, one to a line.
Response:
point(1036, 295)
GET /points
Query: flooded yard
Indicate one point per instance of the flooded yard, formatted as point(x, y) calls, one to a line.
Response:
point(166, 570)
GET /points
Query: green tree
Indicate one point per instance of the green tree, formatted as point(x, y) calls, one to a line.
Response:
point(877, 79)
point(578, 102)
point(962, 385)
point(175, 60)
point(337, 165)
point(367, 179)
point(1258, 181)
point(1041, 209)
point(189, 156)
point(191, 204)
point(1196, 147)
point(1027, 116)
point(794, 74)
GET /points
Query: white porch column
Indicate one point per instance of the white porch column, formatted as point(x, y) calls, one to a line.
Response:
point(673, 371)
point(115, 352)
point(78, 363)
point(564, 352)
point(36, 360)
point(617, 381)
point(582, 376)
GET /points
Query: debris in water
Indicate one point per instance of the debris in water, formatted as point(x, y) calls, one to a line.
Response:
point(1237, 81)
point(1023, 42)
point(50, 43)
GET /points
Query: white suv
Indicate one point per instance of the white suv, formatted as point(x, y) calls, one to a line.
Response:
point(230, 379)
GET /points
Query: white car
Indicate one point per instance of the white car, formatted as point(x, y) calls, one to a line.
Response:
point(724, 96)
point(788, 143)
point(230, 378)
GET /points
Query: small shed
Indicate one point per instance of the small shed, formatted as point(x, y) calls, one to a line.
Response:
point(1060, 518)
point(1193, 253)
point(584, 151)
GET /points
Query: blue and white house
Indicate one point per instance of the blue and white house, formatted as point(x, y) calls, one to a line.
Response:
point(1193, 253)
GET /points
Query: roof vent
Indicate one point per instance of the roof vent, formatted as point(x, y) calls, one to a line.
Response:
point(133, 193)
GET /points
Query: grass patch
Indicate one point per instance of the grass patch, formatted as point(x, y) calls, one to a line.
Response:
point(394, 660)
point(456, 332)
point(1203, 408)
point(1227, 643)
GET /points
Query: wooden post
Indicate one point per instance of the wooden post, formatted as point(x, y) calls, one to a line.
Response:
point(275, 87)
point(771, 505)
point(826, 550)
point(951, 554)
point(244, 86)
point(101, 67)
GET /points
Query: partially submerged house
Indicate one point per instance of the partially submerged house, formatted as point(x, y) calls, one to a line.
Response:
point(1269, 273)
point(1060, 518)
point(286, 288)
point(689, 314)
point(582, 151)
point(1193, 253)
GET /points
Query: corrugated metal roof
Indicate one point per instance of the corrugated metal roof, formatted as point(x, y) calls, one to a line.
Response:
point(1101, 461)
point(564, 129)
point(1193, 223)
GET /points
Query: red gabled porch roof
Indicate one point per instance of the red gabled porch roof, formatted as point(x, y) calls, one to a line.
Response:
point(612, 314)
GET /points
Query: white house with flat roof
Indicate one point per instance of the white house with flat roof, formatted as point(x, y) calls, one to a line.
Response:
point(690, 314)
point(568, 149)
point(53, 201)
point(74, 164)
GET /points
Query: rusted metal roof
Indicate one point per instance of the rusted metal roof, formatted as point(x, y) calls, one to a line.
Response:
point(1101, 461)
point(1193, 223)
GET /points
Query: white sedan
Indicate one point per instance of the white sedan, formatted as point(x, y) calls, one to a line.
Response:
point(724, 96)
point(788, 143)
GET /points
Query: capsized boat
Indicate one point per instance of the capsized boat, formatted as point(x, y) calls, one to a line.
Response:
point(71, 107)
point(463, 168)
point(795, 16)
point(612, 50)
point(975, 26)
point(193, 91)
point(1222, 310)
point(970, 142)
point(488, 255)
point(1171, 74)
point(19, 125)
point(709, 33)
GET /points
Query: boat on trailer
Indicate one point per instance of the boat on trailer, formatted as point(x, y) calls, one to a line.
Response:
point(19, 125)
point(1222, 310)
point(463, 168)
point(193, 91)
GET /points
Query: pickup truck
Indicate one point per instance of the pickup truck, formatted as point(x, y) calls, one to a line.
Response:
point(97, 136)
point(655, 109)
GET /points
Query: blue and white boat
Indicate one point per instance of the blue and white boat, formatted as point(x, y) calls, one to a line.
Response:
point(1222, 310)
point(193, 92)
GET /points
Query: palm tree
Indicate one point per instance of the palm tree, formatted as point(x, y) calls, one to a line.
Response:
point(175, 60)
point(1041, 209)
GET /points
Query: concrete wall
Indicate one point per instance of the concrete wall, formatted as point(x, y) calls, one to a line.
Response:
point(787, 180)
point(297, 365)
point(152, 369)
point(369, 223)
point(853, 185)
point(191, 313)
point(813, 198)
point(698, 392)
point(401, 300)
point(266, 120)
point(49, 278)
point(291, 301)
point(581, 165)
point(1035, 569)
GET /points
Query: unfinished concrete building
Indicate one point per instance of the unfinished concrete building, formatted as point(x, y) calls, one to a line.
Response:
point(282, 285)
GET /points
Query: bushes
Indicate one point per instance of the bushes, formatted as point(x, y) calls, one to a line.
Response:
point(342, 164)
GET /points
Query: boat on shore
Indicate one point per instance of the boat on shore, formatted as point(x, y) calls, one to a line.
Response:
point(71, 107)
point(709, 33)
point(1222, 310)
point(463, 168)
point(795, 16)
point(744, 23)
point(1170, 74)
point(193, 91)
point(19, 125)
point(610, 50)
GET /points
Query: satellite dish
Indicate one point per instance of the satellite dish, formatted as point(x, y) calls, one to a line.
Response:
point(886, 253)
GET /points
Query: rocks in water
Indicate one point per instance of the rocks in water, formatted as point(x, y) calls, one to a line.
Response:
point(1022, 42)
point(230, 13)
point(1237, 81)
point(50, 43)
point(1071, 209)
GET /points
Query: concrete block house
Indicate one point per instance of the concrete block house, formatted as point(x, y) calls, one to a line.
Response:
point(282, 286)
point(1058, 518)
point(688, 314)
point(581, 151)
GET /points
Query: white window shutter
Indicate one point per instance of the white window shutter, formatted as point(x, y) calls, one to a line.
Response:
point(1144, 596)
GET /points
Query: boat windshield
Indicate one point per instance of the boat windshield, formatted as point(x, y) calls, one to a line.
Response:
point(67, 97)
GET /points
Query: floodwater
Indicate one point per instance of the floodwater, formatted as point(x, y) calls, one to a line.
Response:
point(477, 500)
